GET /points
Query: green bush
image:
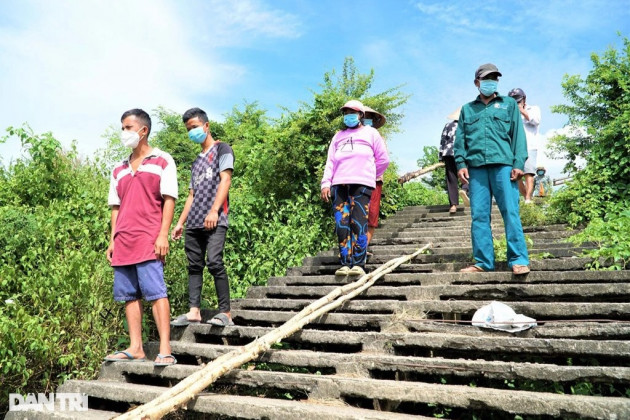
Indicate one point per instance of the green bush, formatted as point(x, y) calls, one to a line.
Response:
point(55, 284)
point(611, 234)
point(416, 193)
point(540, 214)
point(598, 112)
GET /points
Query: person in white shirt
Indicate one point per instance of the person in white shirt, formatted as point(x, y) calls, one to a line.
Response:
point(530, 114)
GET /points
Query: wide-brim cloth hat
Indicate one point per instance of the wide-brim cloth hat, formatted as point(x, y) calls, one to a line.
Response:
point(486, 69)
point(454, 116)
point(355, 105)
point(378, 119)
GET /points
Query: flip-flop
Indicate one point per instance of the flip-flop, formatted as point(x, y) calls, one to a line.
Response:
point(165, 356)
point(182, 321)
point(221, 320)
point(472, 269)
point(129, 358)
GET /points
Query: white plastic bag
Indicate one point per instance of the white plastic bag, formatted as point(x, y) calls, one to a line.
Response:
point(500, 316)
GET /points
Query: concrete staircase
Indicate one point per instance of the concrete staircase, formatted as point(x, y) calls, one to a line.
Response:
point(405, 348)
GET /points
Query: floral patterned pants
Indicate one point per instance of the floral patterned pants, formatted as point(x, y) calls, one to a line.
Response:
point(351, 208)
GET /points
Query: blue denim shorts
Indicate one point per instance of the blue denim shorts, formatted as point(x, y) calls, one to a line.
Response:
point(132, 282)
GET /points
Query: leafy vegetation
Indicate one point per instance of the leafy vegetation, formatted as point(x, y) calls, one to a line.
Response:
point(598, 114)
point(437, 178)
point(599, 194)
point(54, 279)
point(611, 234)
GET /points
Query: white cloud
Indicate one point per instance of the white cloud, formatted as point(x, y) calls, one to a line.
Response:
point(73, 67)
point(555, 166)
point(245, 21)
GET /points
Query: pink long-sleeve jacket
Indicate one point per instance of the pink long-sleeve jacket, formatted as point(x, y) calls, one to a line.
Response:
point(355, 156)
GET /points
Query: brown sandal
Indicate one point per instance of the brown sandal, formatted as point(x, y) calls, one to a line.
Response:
point(520, 269)
point(472, 269)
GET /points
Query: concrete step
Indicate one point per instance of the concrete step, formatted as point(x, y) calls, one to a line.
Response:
point(58, 414)
point(403, 395)
point(615, 292)
point(428, 279)
point(427, 344)
point(439, 253)
point(539, 245)
point(461, 235)
point(230, 406)
point(553, 264)
point(461, 223)
point(452, 309)
point(417, 322)
point(364, 364)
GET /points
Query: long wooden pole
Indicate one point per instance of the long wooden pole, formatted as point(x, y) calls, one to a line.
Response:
point(191, 386)
point(411, 175)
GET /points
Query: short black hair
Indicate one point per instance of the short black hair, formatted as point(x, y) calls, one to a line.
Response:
point(195, 113)
point(139, 114)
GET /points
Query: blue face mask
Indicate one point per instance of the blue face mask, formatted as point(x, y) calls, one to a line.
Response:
point(351, 120)
point(488, 87)
point(197, 135)
point(367, 121)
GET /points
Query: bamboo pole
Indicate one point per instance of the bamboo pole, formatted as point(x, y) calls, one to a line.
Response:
point(411, 175)
point(189, 387)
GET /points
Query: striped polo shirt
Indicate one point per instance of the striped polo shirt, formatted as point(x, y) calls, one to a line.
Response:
point(140, 197)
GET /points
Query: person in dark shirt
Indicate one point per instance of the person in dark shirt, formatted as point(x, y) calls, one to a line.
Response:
point(206, 217)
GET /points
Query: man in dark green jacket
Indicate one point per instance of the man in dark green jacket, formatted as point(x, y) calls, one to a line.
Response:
point(490, 152)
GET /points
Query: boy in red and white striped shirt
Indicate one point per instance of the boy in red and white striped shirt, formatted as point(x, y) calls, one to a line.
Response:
point(142, 194)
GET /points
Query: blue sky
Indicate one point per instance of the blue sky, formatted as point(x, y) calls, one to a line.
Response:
point(72, 67)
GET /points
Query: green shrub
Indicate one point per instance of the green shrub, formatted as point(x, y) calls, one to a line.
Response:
point(540, 214)
point(611, 234)
point(55, 284)
point(417, 193)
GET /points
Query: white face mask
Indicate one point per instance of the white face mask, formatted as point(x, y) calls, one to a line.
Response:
point(130, 138)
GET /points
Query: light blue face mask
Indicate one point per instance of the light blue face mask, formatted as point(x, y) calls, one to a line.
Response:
point(488, 87)
point(368, 121)
point(197, 135)
point(351, 120)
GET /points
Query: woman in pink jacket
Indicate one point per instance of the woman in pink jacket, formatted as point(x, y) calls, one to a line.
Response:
point(356, 158)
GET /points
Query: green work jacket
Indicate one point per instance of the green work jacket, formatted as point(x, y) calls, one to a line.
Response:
point(490, 134)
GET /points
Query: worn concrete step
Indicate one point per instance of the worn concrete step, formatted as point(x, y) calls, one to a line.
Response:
point(462, 223)
point(461, 235)
point(431, 229)
point(463, 309)
point(590, 292)
point(540, 245)
point(552, 264)
point(427, 344)
point(349, 389)
point(443, 254)
point(230, 406)
point(58, 414)
point(417, 322)
point(365, 364)
point(427, 279)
